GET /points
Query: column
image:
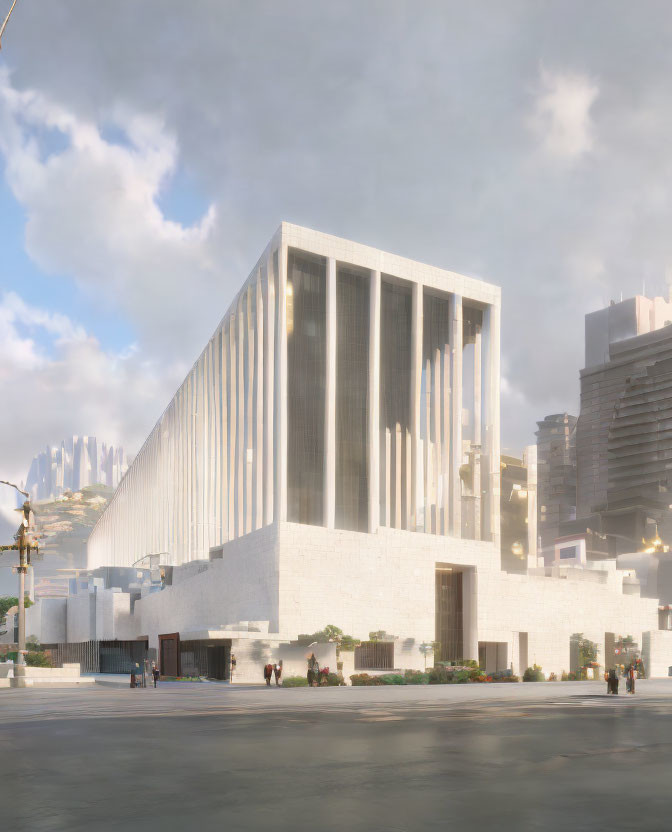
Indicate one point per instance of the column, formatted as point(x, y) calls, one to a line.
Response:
point(479, 474)
point(446, 443)
point(269, 370)
point(492, 416)
point(259, 414)
point(330, 403)
point(248, 462)
point(374, 403)
point(233, 423)
point(241, 433)
point(530, 462)
point(456, 413)
point(470, 612)
point(416, 378)
point(281, 392)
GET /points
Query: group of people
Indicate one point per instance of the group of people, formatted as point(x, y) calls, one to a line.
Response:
point(316, 675)
point(612, 680)
point(138, 678)
point(271, 670)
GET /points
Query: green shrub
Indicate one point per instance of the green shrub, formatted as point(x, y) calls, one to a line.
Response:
point(509, 678)
point(461, 677)
point(440, 675)
point(295, 682)
point(36, 658)
point(360, 679)
point(416, 677)
point(533, 674)
point(392, 679)
point(335, 680)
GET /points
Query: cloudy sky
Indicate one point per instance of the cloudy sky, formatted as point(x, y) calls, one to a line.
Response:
point(150, 148)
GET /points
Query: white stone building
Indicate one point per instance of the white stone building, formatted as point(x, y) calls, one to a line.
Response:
point(333, 457)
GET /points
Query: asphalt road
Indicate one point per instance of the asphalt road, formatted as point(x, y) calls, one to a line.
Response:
point(524, 757)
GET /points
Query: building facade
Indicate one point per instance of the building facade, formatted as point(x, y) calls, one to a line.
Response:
point(333, 457)
point(345, 388)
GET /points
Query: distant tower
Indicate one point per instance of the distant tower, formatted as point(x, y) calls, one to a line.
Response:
point(73, 464)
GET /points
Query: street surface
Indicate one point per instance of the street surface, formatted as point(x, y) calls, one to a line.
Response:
point(548, 756)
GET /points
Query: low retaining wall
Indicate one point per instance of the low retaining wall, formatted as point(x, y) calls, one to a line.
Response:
point(28, 677)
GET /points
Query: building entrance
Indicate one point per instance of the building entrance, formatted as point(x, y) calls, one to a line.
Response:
point(449, 614)
point(169, 653)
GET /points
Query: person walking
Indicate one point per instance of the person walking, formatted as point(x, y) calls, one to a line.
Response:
point(632, 675)
point(268, 674)
point(277, 672)
point(155, 673)
point(612, 682)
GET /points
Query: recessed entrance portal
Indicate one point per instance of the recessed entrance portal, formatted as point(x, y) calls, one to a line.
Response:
point(449, 614)
point(169, 652)
point(211, 659)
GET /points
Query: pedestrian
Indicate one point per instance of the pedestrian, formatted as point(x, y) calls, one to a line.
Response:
point(132, 678)
point(612, 683)
point(313, 671)
point(268, 674)
point(277, 672)
point(632, 675)
point(155, 673)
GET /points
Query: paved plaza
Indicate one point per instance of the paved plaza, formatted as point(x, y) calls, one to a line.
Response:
point(188, 756)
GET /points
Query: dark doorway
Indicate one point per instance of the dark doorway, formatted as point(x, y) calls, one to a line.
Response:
point(219, 661)
point(449, 615)
point(169, 651)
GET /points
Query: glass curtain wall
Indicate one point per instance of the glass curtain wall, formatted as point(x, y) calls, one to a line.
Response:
point(306, 377)
point(395, 399)
point(352, 381)
point(435, 412)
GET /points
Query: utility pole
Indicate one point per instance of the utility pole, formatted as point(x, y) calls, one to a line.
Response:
point(23, 544)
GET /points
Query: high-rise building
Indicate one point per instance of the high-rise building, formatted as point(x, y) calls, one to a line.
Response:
point(623, 439)
point(556, 477)
point(77, 462)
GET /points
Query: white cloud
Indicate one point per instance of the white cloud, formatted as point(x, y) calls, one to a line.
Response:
point(69, 385)
point(93, 214)
point(561, 118)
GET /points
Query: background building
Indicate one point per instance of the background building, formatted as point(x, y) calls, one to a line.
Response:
point(556, 477)
point(623, 436)
point(518, 507)
point(77, 462)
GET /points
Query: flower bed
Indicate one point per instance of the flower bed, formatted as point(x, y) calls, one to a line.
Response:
point(439, 675)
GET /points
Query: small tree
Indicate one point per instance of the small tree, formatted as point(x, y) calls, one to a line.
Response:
point(587, 649)
point(6, 603)
point(35, 655)
point(330, 633)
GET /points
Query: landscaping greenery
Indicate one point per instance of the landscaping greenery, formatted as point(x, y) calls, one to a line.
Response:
point(295, 682)
point(330, 633)
point(588, 650)
point(534, 674)
point(438, 675)
point(36, 656)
